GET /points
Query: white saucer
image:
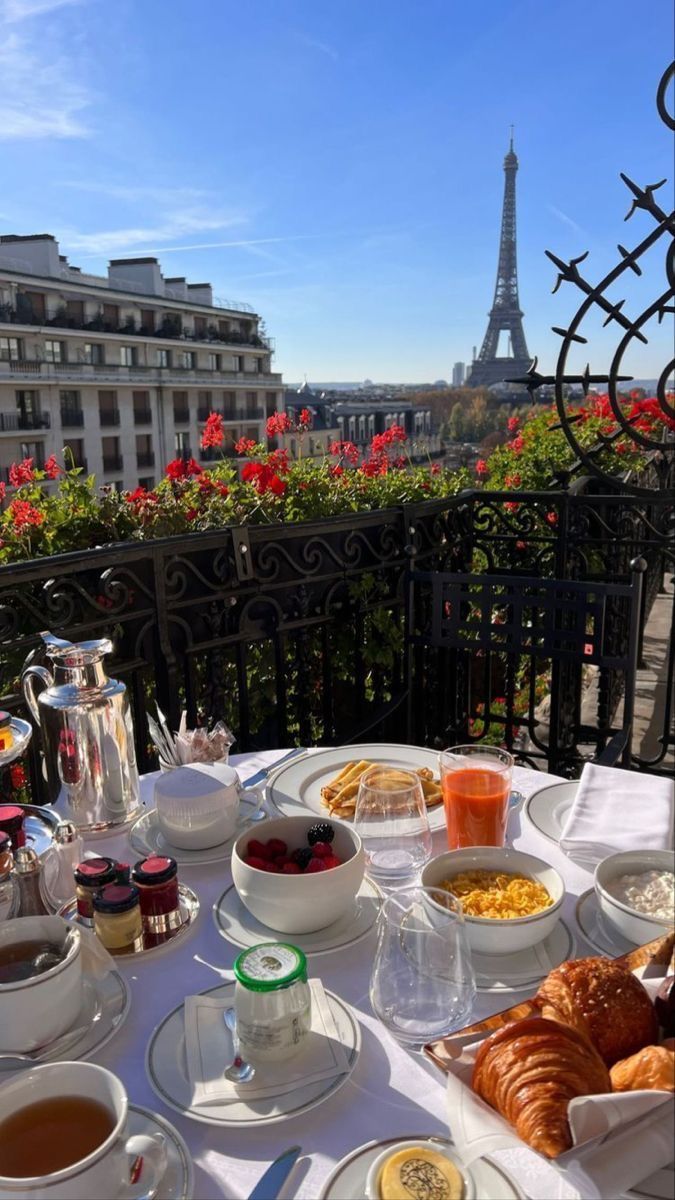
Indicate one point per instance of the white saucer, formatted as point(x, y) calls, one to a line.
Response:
point(167, 1071)
point(177, 1182)
point(515, 972)
point(597, 930)
point(237, 925)
point(347, 1180)
point(105, 1005)
point(659, 1186)
point(146, 838)
point(548, 808)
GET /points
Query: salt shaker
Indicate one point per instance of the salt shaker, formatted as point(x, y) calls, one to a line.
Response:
point(63, 856)
point(28, 869)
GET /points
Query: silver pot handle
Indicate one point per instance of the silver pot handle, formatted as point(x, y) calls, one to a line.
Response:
point(29, 683)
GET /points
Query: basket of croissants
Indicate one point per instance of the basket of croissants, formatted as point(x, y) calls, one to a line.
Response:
point(591, 1029)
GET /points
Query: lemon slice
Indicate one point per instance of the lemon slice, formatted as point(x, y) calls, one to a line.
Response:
point(418, 1173)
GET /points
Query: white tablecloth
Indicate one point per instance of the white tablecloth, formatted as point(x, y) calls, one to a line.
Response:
point(391, 1091)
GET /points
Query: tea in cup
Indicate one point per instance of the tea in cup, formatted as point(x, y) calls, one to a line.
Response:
point(198, 805)
point(63, 1137)
point(40, 981)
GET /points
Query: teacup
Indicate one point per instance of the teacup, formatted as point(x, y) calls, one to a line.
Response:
point(34, 1011)
point(198, 805)
point(107, 1169)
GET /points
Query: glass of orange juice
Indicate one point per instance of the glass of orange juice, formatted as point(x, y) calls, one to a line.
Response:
point(476, 782)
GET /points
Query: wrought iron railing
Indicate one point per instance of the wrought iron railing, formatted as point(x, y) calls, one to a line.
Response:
point(294, 633)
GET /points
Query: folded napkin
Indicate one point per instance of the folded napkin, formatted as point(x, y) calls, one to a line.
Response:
point(618, 810)
point(208, 1048)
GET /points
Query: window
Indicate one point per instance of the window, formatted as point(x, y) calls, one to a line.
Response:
point(128, 356)
point(214, 362)
point(28, 408)
point(223, 329)
point(371, 425)
point(75, 313)
point(11, 349)
point(253, 432)
point(148, 322)
point(111, 317)
point(34, 450)
point(251, 403)
point(117, 485)
point(144, 453)
point(229, 406)
point(261, 365)
point(270, 403)
point(112, 459)
point(142, 410)
point(163, 358)
point(107, 408)
point(71, 409)
point(182, 445)
point(181, 408)
point(362, 429)
point(200, 327)
point(147, 482)
point(54, 352)
point(93, 353)
point(237, 362)
point(187, 359)
point(75, 447)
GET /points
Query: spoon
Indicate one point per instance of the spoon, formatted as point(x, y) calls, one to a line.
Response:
point(238, 1071)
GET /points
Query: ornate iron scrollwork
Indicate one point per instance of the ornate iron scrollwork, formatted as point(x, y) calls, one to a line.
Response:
point(662, 452)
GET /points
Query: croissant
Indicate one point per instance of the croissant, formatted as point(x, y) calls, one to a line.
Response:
point(604, 1002)
point(652, 1067)
point(530, 1070)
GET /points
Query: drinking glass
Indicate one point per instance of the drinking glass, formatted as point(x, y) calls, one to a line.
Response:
point(422, 985)
point(476, 782)
point(391, 819)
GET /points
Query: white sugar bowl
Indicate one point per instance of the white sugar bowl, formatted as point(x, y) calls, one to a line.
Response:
point(198, 805)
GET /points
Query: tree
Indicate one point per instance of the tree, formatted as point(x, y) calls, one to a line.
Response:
point(456, 424)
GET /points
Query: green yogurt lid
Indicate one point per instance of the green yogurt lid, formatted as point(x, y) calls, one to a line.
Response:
point(269, 966)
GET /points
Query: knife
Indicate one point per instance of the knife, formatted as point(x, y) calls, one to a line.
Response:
point(270, 1184)
point(265, 771)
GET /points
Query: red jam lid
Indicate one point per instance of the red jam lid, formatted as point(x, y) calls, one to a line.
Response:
point(157, 868)
point(115, 898)
point(92, 872)
point(10, 812)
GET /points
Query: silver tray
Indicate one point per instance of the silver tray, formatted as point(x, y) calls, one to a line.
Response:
point(189, 906)
point(39, 826)
point(22, 732)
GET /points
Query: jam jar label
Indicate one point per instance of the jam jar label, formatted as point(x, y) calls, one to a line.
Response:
point(272, 963)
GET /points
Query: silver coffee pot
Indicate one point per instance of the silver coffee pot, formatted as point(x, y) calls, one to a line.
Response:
point(87, 734)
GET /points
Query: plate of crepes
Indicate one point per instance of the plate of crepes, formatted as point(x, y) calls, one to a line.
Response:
point(583, 1073)
point(327, 781)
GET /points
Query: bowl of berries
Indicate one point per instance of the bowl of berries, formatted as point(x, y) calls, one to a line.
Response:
point(297, 874)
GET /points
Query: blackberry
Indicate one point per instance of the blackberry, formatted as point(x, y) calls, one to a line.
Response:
point(302, 856)
point(323, 832)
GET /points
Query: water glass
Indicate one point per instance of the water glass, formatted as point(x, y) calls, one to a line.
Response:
point(422, 986)
point(391, 819)
point(476, 782)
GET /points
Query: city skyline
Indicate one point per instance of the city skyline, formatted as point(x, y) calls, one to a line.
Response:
point(344, 178)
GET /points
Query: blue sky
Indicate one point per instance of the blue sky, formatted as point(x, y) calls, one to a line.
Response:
point(338, 164)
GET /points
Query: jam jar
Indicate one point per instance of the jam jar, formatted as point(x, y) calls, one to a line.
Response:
point(156, 879)
point(11, 822)
point(117, 918)
point(91, 875)
point(272, 1001)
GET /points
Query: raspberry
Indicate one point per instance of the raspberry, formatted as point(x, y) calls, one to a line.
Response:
point(314, 865)
point(332, 861)
point(259, 850)
point(321, 832)
point(252, 860)
point(302, 856)
point(282, 859)
point(291, 868)
point(322, 849)
point(276, 847)
point(272, 868)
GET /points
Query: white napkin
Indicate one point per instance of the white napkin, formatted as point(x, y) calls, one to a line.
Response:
point(208, 1048)
point(618, 810)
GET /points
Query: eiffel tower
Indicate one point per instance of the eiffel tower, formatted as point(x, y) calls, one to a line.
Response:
point(505, 314)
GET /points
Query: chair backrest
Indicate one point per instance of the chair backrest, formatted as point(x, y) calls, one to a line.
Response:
point(504, 640)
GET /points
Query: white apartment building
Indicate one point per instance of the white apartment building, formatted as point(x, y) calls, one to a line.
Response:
point(122, 370)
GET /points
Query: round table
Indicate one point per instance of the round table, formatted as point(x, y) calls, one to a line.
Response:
point(391, 1091)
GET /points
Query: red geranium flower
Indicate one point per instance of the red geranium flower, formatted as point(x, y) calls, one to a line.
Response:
point(517, 444)
point(17, 775)
point(481, 467)
point(513, 424)
point(244, 445)
point(214, 431)
point(21, 472)
point(552, 518)
point(24, 514)
point(435, 469)
point(305, 419)
point(180, 469)
point(3, 489)
point(279, 422)
point(346, 450)
point(51, 468)
point(278, 461)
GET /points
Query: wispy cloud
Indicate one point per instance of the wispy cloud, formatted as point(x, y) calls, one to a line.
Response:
point(40, 93)
point(316, 44)
point(571, 224)
point(178, 224)
point(134, 193)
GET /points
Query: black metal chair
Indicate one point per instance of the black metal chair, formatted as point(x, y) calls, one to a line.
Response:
point(491, 645)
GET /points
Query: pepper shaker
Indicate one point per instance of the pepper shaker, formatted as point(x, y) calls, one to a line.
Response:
point(63, 856)
point(28, 869)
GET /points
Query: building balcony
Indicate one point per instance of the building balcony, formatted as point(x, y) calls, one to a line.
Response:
point(252, 414)
point(56, 317)
point(112, 462)
point(72, 418)
point(145, 458)
point(109, 417)
point(142, 416)
point(15, 422)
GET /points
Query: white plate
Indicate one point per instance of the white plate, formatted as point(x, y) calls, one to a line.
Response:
point(514, 972)
point(146, 838)
point(296, 787)
point(166, 1069)
point(347, 1181)
point(105, 1005)
point(659, 1186)
point(549, 807)
point(237, 925)
point(177, 1182)
point(596, 928)
point(189, 911)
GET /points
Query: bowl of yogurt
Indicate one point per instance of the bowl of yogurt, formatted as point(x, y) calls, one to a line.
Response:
point(636, 893)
